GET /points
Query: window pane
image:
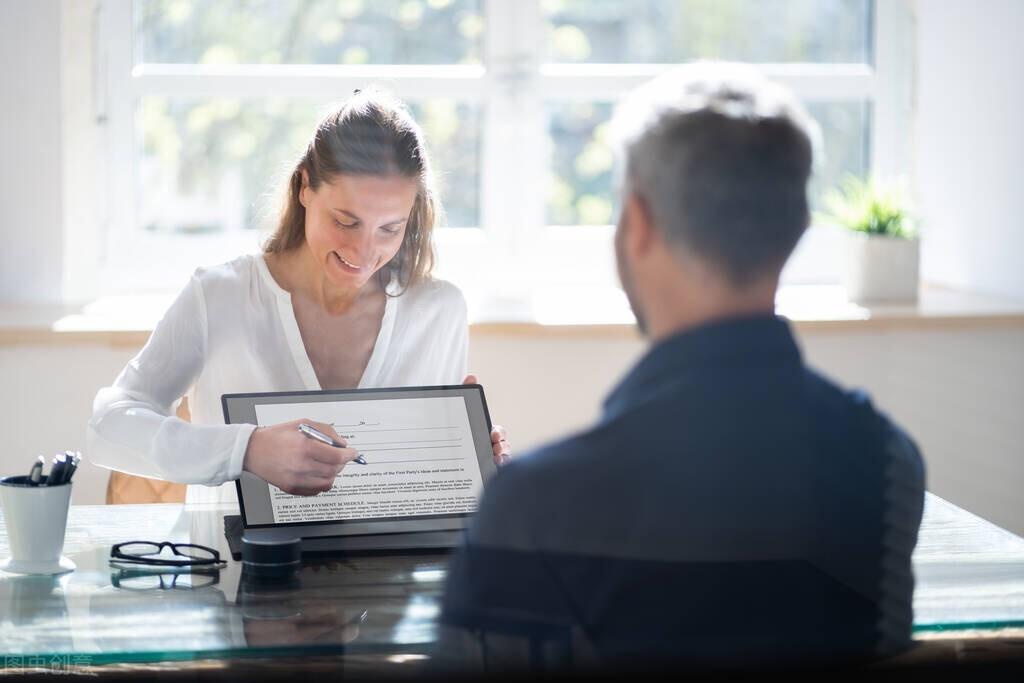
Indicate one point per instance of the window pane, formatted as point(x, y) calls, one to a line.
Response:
point(845, 130)
point(308, 31)
point(580, 186)
point(581, 160)
point(665, 31)
point(220, 165)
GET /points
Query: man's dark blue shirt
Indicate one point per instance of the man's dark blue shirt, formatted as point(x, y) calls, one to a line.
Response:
point(730, 505)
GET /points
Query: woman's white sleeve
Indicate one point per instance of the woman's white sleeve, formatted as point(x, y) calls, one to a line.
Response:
point(457, 349)
point(133, 428)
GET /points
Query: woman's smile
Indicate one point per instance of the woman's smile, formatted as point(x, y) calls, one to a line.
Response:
point(348, 266)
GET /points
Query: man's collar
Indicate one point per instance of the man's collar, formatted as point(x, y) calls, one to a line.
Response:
point(730, 343)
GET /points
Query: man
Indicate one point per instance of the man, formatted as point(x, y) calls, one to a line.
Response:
point(731, 506)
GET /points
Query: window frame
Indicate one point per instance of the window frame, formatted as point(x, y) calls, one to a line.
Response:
point(506, 263)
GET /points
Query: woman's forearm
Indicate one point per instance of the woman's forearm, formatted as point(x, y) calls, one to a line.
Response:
point(131, 435)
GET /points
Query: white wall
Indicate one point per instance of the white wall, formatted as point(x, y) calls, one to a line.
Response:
point(45, 401)
point(84, 160)
point(31, 195)
point(969, 143)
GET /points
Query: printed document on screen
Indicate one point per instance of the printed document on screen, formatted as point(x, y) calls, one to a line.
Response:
point(420, 455)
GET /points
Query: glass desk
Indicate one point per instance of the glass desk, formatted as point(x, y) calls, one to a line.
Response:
point(970, 575)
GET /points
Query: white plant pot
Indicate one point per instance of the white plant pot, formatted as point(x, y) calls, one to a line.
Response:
point(881, 268)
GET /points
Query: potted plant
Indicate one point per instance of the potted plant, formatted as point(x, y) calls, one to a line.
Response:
point(883, 254)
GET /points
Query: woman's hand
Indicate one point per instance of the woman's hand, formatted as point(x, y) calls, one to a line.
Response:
point(499, 438)
point(500, 445)
point(296, 464)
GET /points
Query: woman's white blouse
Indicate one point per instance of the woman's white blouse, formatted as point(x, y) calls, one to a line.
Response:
point(233, 330)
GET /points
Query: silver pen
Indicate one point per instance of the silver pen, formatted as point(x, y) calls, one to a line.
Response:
point(35, 475)
point(314, 433)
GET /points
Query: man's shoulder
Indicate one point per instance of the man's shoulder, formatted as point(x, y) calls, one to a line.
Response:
point(532, 474)
point(835, 406)
point(535, 484)
point(567, 454)
point(847, 418)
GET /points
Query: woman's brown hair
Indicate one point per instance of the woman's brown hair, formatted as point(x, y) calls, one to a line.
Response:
point(371, 134)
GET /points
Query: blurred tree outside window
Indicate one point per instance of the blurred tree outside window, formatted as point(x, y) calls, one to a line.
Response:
point(308, 31)
point(673, 31)
point(580, 181)
point(222, 164)
point(211, 151)
point(219, 164)
point(659, 32)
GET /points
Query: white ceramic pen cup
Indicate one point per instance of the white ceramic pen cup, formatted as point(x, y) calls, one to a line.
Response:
point(36, 518)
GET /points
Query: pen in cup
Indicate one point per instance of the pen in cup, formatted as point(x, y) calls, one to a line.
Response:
point(64, 466)
point(35, 474)
point(73, 459)
point(314, 433)
point(58, 470)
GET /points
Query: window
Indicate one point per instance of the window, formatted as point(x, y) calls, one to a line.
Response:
point(209, 103)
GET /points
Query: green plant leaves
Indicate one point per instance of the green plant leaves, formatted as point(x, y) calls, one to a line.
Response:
point(868, 206)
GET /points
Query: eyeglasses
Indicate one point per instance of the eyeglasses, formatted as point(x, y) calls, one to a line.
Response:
point(148, 553)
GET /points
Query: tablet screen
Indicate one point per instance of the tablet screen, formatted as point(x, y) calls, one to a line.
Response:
point(427, 452)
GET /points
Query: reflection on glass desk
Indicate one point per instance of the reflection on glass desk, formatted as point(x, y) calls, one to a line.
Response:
point(970, 575)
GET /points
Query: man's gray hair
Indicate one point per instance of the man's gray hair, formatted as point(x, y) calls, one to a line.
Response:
point(721, 156)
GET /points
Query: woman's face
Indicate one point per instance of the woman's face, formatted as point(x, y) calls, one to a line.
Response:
point(355, 224)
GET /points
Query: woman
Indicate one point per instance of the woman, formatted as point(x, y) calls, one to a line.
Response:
point(341, 297)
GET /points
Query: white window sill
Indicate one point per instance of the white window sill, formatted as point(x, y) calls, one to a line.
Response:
point(127, 320)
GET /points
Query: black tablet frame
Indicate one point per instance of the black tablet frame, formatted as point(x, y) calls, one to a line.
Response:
point(362, 526)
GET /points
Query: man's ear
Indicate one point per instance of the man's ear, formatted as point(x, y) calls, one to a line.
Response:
point(304, 190)
point(641, 234)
